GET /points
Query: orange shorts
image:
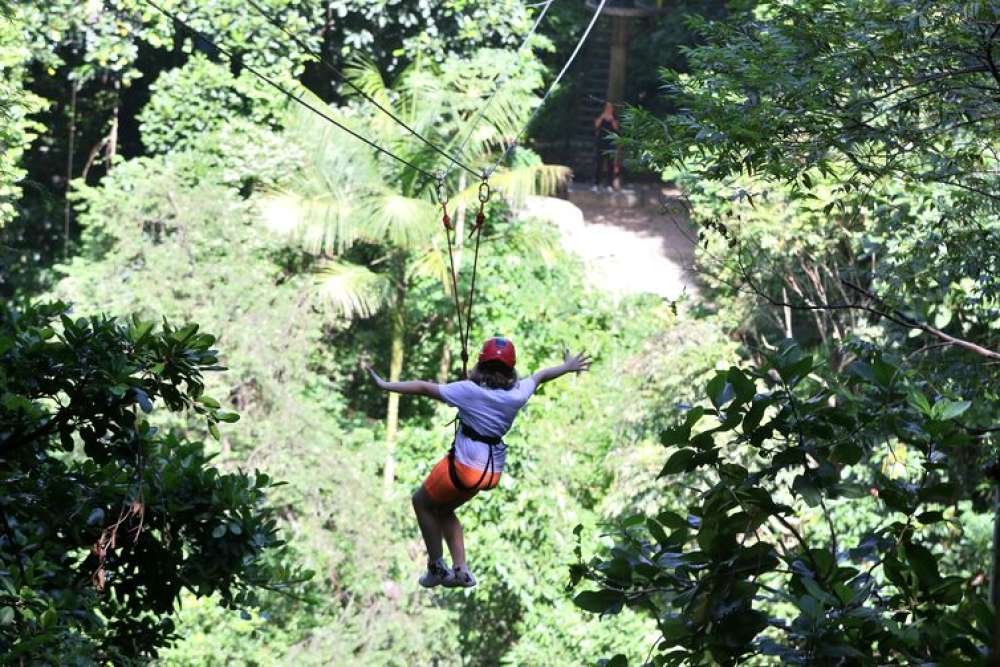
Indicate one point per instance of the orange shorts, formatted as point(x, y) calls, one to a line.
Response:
point(443, 491)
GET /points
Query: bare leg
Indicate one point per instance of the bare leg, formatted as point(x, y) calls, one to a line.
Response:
point(451, 528)
point(430, 526)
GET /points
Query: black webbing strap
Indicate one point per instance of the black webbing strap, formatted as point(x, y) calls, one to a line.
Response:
point(490, 467)
point(471, 434)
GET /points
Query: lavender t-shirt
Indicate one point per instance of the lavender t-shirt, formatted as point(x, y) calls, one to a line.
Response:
point(489, 412)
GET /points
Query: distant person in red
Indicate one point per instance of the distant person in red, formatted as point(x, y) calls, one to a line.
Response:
point(605, 126)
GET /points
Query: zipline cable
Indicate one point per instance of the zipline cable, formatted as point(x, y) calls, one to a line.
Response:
point(319, 58)
point(548, 93)
point(498, 84)
point(233, 59)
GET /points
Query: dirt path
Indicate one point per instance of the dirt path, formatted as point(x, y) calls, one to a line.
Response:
point(630, 244)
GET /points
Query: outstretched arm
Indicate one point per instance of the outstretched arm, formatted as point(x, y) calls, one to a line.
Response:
point(414, 387)
point(572, 363)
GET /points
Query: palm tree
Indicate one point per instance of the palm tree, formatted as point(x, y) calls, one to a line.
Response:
point(346, 193)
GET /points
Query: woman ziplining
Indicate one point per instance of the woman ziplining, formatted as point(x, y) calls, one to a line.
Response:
point(490, 398)
point(487, 404)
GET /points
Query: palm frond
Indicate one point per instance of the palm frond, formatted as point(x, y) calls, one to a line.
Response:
point(534, 240)
point(433, 264)
point(366, 77)
point(406, 222)
point(321, 224)
point(518, 183)
point(351, 289)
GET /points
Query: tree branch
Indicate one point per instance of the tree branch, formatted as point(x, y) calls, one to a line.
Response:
point(914, 324)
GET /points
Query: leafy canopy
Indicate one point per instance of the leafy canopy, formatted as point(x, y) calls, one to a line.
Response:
point(105, 517)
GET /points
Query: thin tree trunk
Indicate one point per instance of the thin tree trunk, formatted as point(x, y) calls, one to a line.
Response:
point(444, 367)
point(395, 372)
point(68, 208)
point(995, 575)
point(788, 314)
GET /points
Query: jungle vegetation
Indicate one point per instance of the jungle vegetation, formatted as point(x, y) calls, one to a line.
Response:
point(793, 464)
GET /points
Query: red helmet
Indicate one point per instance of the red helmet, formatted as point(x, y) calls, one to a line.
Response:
point(499, 349)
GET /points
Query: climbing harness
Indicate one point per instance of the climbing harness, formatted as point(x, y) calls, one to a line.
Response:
point(490, 466)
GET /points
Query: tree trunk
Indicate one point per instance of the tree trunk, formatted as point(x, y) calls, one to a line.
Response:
point(398, 316)
point(68, 207)
point(995, 575)
point(444, 366)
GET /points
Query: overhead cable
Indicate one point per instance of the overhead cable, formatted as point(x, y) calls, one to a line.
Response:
point(319, 58)
point(549, 92)
point(498, 83)
point(233, 59)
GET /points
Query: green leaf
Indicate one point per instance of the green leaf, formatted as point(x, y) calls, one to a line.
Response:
point(740, 627)
point(208, 401)
point(924, 564)
point(755, 414)
point(945, 409)
point(678, 462)
point(139, 330)
point(617, 661)
point(885, 372)
point(847, 453)
point(219, 531)
point(214, 430)
point(744, 388)
point(228, 417)
point(619, 570)
point(806, 488)
point(600, 602)
point(930, 517)
point(672, 520)
point(796, 371)
point(920, 402)
point(6, 615)
point(657, 532)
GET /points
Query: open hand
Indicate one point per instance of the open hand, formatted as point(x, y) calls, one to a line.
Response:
point(375, 376)
point(576, 363)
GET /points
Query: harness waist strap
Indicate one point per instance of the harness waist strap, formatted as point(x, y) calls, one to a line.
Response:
point(470, 433)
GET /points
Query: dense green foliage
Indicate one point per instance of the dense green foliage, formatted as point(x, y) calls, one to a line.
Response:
point(785, 468)
point(840, 159)
point(106, 517)
point(287, 380)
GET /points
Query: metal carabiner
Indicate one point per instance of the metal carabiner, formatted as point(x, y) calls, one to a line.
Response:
point(441, 194)
point(484, 192)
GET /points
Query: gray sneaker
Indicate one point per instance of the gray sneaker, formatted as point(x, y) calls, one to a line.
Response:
point(437, 574)
point(461, 578)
